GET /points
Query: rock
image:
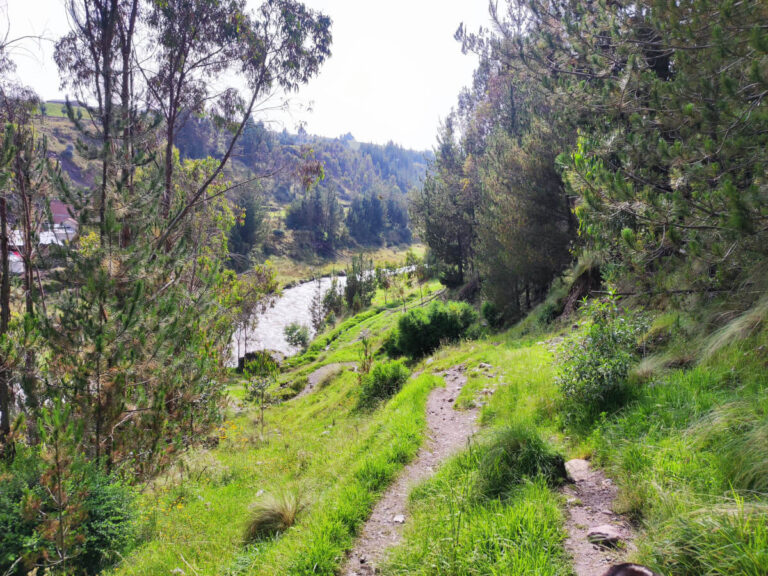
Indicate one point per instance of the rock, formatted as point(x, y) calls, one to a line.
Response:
point(429, 361)
point(399, 519)
point(577, 469)
point(484, 366)
point(604, 535)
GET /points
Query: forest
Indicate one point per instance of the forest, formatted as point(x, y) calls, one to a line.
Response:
point(567, 369)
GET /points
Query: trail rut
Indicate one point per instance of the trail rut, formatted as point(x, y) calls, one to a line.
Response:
point(589, 501)
point(449, 430)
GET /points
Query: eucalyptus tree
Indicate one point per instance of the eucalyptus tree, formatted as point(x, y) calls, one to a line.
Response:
point(141, 330)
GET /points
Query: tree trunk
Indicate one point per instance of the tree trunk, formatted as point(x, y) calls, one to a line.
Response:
point(5, 316)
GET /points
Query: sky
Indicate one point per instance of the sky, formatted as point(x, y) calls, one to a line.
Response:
point(396, 69)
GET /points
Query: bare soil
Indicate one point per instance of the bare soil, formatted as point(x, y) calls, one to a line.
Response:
point(322, 374)
point(590, 499)
point(449, 430)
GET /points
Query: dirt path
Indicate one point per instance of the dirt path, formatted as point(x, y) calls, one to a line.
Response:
point(321, 375)
point(449, 431)
point(590, 499)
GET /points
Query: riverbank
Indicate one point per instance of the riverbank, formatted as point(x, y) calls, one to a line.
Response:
point(292, 272)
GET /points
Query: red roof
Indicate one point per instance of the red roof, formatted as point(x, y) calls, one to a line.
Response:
point(60, 211)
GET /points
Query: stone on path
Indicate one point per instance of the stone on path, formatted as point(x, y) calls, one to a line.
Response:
point(577, 470)
point(604, 535)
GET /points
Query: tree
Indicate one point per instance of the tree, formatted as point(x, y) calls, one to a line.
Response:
point(444, 209)
point(361, 284)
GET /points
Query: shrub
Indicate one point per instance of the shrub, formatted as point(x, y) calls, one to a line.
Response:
point(515, 453)
point(384, 381)
point(273, 514)
point(594, 366)
point(297, 335)
point(492, 314)
point(421, 331)
point(102, 521)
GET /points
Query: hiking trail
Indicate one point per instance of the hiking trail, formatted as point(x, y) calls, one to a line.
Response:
point(597, 537)
point(449, 430)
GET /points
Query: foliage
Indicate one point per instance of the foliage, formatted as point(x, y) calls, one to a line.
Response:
point(384, 381)
point(361, 284)
point(594, 365)
point(516, 453)
point(443, 210)
point(423, 330)
point(99, 508)
point(375, 217)
point(317, 219)
point(297, 335)
point(491, 313)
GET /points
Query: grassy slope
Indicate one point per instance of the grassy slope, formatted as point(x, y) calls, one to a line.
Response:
point(194, 517)
point(456, 533)
point(689, 453)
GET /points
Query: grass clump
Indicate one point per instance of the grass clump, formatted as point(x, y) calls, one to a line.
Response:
point(514, 454)
point(383, 381)
point(718, 540)
point(273, 514)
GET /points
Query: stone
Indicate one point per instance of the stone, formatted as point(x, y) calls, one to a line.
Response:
point(604, 535)
point(399, 519)
point(484, 366)
point(577, 469)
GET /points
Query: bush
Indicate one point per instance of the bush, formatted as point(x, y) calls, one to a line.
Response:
point(594, 366)
point(421, 331)
point(517, 453)
point(274, 514)
point(492, 314)
point(384, 381)
point(297, 335)
point(102, 521)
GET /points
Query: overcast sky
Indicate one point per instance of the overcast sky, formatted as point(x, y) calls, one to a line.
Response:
point(395, 71)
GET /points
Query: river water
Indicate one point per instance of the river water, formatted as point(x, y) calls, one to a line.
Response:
point(268, 330)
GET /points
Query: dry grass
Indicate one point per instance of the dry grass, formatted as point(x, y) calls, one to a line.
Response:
point(274, 513)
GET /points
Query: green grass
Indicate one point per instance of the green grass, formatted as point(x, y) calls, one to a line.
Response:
point(456, 528)
point(690, 456)
point(338, 457)
point(688, 451)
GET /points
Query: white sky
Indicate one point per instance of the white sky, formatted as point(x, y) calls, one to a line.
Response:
point(395, 71)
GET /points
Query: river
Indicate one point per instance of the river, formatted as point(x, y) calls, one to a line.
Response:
point(268, 330)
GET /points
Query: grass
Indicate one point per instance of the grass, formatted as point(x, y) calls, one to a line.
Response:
point(461, 527)
point(273, 514)
point(690, 456)
point(291, 271)
point(194, 518)
point(688, 451)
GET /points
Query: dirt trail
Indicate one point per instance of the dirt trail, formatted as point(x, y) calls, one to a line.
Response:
point(322, 374)
point(590, 499)
point(449, 431)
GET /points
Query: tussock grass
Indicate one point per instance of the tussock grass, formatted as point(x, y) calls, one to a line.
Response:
point(739, 328)
point(514, 454)
point(274, 513)
point(724, 538)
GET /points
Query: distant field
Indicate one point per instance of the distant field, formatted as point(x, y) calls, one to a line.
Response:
point(58, 109)
point(291, 271)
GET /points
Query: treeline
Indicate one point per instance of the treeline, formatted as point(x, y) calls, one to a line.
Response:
point(635, 131)
point(356, 195)
point(113, 347)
